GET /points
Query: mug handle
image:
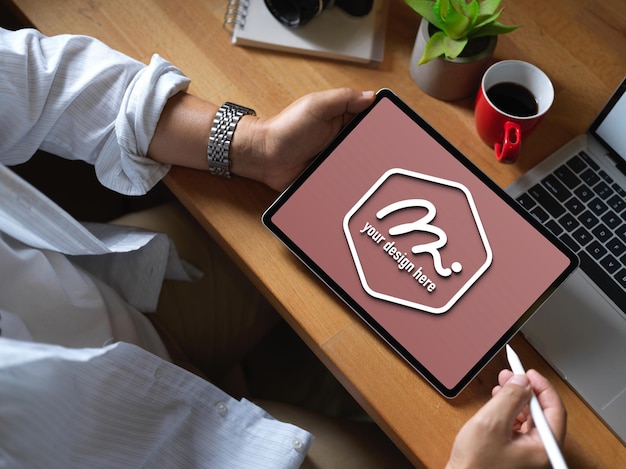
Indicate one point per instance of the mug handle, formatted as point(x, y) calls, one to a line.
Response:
point(508, 150)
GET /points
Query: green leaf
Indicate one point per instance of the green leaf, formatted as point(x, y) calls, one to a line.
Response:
point(489, 7)
point(471, 10)
point(440, 9)
point(482, 20)
point(457, 5)
point(493, 29)
point(424, 8)
point(434, 47)
point(452, 48)
point(456, 23)
point(461, 19)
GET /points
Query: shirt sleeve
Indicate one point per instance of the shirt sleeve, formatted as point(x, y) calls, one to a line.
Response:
point(120, 406)
point(77, 98)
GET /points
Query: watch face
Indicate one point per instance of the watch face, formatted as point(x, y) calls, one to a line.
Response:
point(242, 109)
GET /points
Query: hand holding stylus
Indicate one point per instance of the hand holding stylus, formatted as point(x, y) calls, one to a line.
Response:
point(503, 433)
point(536, 412)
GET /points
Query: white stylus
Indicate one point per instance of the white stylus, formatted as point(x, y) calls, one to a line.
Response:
point(552, 448)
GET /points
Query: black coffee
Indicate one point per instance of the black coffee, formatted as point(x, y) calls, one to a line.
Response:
point(513, 99)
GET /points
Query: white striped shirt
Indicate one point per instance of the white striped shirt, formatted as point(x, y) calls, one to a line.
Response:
point(81, 402)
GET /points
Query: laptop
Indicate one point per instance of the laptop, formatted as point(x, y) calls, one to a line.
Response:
point(579, 193)
point(421, 244)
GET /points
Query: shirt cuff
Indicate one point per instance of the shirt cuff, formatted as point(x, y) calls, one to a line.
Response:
point(123, 165)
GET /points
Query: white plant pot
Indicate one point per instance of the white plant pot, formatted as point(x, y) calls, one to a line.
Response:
point(449, 80)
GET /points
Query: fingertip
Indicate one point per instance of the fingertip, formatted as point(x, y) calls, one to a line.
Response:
point(537, 380)
point(534, 373)
point(507, 378)
point(368, 94)
point(504, 376)
point(519, 380)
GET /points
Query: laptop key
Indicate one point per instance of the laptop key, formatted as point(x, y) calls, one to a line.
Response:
point(567, 176)
point(576, 163)
point(602, 233)
point(611, 219)
point(596, 250)
point(610, 263)
point(616, 247)
point(574, 205)
point(584, 193)
point(604, 175)
point(588, 219)
point(554, 227)
point(556, 188)
point(543, 197)
point(568, 222)
point(526, 201)
point(617, 203)
point(620, 190)
point(540, 214)
point(597, 206)
point(603, 190)
point(582, 236)
point(590, 177)
point(589, 160)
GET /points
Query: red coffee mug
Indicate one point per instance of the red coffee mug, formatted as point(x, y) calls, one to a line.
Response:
point(512, 100)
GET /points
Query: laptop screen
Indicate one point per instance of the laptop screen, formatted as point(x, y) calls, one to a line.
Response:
point(610, 125)
point(425, 248)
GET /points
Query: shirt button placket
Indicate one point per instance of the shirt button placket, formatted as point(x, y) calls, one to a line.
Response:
point(297, 445)
point(222, 408)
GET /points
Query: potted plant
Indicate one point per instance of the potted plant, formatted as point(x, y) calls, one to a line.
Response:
point(454, 44)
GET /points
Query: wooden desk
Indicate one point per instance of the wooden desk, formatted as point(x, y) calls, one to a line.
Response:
point(579, 43)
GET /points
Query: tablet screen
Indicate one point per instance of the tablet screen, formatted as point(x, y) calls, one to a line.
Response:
point(425, 248)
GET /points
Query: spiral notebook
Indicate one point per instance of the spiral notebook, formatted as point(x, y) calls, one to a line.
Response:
point(332, 34)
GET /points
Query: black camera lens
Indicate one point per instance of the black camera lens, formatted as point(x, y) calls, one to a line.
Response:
point(355, 7)
point(294, 13)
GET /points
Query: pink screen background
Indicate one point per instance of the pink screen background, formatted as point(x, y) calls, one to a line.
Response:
point(449, 345)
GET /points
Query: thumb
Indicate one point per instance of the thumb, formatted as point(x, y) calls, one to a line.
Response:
point(505, 406)
point(337, 102)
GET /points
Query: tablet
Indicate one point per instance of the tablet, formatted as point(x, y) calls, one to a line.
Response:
point(425, 248)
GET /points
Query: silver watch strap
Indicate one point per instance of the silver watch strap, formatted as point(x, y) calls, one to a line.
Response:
point(222, 130)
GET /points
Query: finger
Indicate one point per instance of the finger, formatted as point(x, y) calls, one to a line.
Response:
point(329, 104)
point(522, 418)
point(503, 377)
point(360, 102)
point(550, 403)
point(502, 410)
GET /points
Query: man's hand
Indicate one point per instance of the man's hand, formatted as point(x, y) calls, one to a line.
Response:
point(501, 433)
point(276, 150)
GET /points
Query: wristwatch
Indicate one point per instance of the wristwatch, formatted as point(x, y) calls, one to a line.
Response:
point(222, 130)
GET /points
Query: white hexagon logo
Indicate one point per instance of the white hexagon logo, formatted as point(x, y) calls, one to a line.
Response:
point(417, 240)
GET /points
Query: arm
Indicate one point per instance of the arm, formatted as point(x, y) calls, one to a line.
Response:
point(75, 97)
point(501, 433)
point(273, 151)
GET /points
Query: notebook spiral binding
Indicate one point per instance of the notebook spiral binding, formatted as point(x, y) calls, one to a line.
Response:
point(235, 15)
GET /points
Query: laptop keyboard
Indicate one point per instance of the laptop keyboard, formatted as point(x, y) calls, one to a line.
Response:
point(585, 208)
